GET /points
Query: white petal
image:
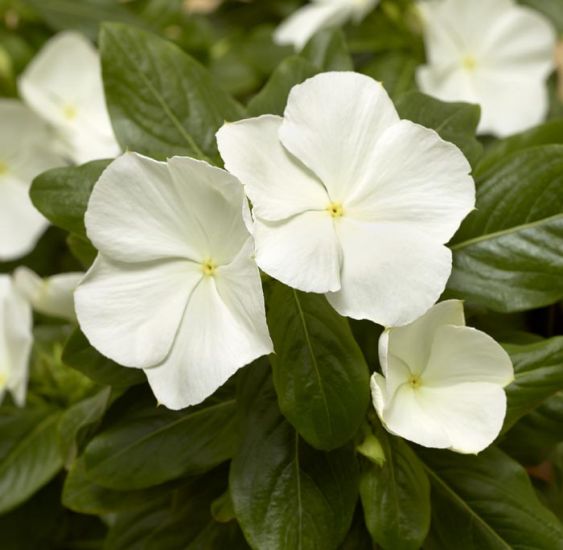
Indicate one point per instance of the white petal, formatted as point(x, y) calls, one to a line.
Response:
point(378, 392)
point(417, 179)
point(412, 343)
point(51, 296)
point(223, 329)
point(391, 274)
point(332, 124)
point(63, 85)
point(302, 252)
point(131, 313)
point(278, 185)
point(305, 22)
point(465, 355)
point(470, 414)
point(447, 83)
point(214, 199)
point(15, 341)
point(138, 212)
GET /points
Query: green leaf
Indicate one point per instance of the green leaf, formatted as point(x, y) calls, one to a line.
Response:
point(507, 254)
point(486, 501)
point(396, 497)
point(82, 249)
point(287, 495)
point(29, 453)
point(327, 51)
point(455, 122)
point(161, 101)
point(538, 375)
point(396, 71)
point(62, 194)
point(272, 98)
point(189, 442)
point(320, 374)
point(81, 356)
point(550, 8)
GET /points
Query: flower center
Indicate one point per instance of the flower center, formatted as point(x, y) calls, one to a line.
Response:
point(414, 381)
point(3, 168)
point(209, 267)
point(70, 111)
point(335, 210)
point(3, 379)
point(469, 63)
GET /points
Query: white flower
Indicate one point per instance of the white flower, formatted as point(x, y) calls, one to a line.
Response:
point(320, 14)
point(349, 200)
point(63, 85)
point(491, 52)
point(15, 341)
point(175, 290)
point(443, 382)
point(52, 296)
point(24, 153)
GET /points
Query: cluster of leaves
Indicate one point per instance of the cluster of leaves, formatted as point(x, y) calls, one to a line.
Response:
point(288, 454)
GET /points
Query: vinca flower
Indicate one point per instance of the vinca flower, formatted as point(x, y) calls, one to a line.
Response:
point(349, 200)
point(491, 52)
point(52, 296)
point(24, 153)
point(15, 341)
point(175, 290)
point(442, 383)
point(63, 85)
point(320, 14)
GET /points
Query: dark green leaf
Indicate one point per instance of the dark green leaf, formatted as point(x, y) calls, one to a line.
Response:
point(486, 501)
point(320, 374)
point(507, 254)
point(538, 375)
point(396, 497)
point(327, 51)
point(82, 249)
point(161, 101)
point(148, 445)
point(455, 122)
point(395, 70)
point(287, 495)
point(62, 194)
point(29, 453)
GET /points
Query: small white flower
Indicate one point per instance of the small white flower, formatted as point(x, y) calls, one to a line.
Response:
point(320, 14)
point(491, 52)
point(52, 296)
point(443, 382)
point(175, 290)
point(24, 154)
point(16, 340)
point(63, 85)
point(349, 200)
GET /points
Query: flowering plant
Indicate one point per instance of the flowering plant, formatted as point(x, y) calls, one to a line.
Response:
point(281, 275)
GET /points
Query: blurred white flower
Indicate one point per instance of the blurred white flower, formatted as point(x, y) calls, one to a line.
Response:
point(63, 85)
point(320, 14)
point(350, 200)
point(52, 296)
point(175, 289)
point(491, 52)
point(443, 382)
point(15, 341)
point(24, 153)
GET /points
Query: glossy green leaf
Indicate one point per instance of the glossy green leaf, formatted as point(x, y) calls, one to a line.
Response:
point(396, 497)
point(148, 445)
point(538, 375)
point(287, 495)
point(62, 194)
point(455, 122)
point(161, 101)
point(486, 501)
point(80, 355)
point(507, 254)
point(320, 374)
point(29, 453)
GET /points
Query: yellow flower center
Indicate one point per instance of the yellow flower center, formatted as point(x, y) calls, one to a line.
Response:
point(3, 379)
point(415, 381)
point(335, 210)
point(3, 168)
point(70, 111)
point(209, 267)
point(469, 63)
